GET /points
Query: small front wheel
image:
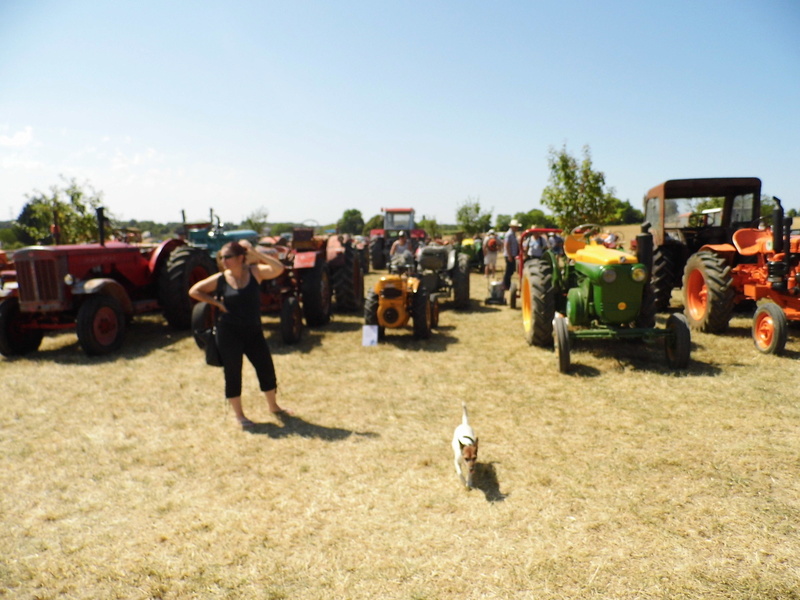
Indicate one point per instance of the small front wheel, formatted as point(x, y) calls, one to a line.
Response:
point(561, 331)
point(100, 325)
point(769, 329)
point(291, 320)
point(678, 345)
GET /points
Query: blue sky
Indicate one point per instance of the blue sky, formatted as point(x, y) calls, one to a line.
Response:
point(307, 109)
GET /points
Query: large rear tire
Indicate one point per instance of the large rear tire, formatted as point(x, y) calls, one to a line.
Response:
point(315, 287)
point(538, 302)
point(770, 329)
point(377, 251)
point(348, 282)
point(513, 292)
point(663, 279)
point(100, 325)
point(707, 292)
point(15, 340)
point(371, 312)
point(421, 314)
point(203, 315)
point(185, 267)
point(461, 282)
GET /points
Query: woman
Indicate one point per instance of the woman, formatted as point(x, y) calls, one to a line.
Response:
point(239, 331)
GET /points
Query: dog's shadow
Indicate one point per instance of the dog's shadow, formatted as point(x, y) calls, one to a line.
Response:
point(485, 480)
point(293, 425)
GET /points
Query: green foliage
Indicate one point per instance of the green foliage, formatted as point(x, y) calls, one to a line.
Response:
point(375, 222)
point(707, 203)
point(576, 193)
point(626, 214)
point(257, 220)
point(430, 226)
point(65, 216)
point(8, 239)
point(792, 212)
point(533, 218)
point(277, 229)
point(351, 222)
point(470, 218)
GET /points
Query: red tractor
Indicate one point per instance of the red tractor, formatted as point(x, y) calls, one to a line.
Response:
point(96, 288)
point(395, 220)
point(761, 265)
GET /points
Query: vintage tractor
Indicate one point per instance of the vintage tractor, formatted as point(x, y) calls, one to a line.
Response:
point(513, 292)
point(444, 271)
point(679, 229)
point(596, 293)
point(399, 297)
point(395, 220)
point(97, 288)
point(211, 235)
point(762, 265)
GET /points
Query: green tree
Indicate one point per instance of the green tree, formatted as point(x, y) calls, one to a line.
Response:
point(626, 214)
point(501, 224)
point(470, 218)
point(576, 193)
point(375, 222)
point(65, 216)
point(430, 226)
point(256, 220)
point(351, 222)
point(533, 218)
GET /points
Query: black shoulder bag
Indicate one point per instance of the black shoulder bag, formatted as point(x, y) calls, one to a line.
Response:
point(207, 337)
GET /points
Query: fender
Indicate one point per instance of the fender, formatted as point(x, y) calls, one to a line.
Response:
point(725, 251)
point(305, 260)
point(106, 286)
point(162, 252)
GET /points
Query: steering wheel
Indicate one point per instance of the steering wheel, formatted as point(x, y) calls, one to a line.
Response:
point(586, 230)
point(767, 221)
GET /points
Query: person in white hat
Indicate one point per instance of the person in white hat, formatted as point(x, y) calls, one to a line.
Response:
point(511, 252)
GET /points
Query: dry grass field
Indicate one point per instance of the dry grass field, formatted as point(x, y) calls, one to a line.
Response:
point(127, 476)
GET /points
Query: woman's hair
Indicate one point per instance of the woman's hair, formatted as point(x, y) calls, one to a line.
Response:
point(235, 248)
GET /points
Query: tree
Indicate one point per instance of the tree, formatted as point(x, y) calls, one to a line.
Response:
point(66, 216)
point(256, 220)
point(626, 214)
point(577, 193)
point(533, 218)
point(430, 226)
point(351, 222)
point(375, 222)
point(471, 219)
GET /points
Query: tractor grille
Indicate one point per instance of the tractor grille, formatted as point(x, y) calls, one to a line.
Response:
point(391, 293)
point(38, 281)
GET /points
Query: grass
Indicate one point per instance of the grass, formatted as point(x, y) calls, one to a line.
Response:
point(127, 477)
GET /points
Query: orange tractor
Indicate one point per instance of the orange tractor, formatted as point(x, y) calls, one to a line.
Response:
point(761, 265)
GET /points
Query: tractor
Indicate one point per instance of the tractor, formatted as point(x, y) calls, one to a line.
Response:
point(761, 265)
point(212, 235)
point(444, 271)
point(679, 229)
point(399, 297)
point(395, 220)
point(96, 289)
point(596, 293)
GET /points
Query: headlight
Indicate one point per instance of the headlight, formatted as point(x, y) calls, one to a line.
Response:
point(609, 275)
point(69, 279)
point(639, 274)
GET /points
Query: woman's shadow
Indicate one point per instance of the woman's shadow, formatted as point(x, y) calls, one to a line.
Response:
point(293, 425)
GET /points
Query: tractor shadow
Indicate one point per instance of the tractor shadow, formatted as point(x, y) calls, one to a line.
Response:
point(485, 480)
point(296, 426)
point(403, 339)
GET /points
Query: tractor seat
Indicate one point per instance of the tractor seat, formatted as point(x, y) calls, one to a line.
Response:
point(749, 242)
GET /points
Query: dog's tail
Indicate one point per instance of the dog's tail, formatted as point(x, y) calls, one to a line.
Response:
point(464, 413)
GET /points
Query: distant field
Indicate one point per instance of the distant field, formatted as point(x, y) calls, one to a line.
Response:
point(127, 477)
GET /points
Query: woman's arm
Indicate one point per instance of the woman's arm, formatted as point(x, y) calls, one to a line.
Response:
point(267, 268)
point(203, 291)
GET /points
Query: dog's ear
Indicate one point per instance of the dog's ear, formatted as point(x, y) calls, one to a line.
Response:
point(476, 444)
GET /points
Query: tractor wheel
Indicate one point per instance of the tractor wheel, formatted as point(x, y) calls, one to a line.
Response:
point(421, 314)
point(371, 312)
point(769, 329)
point(678, 345)
point(185, 267)
point(348, 282)
point(646, 318)
point(512, 294)
point(663, 279)
point(291, 320)
point(315, 288)
point(538, 302)
point(434, 311)
point(14, 340)
point(562, 342)
point(461, 282)
point(707, 292)
point(376, 252)
point(202, 320)
point(100, 325)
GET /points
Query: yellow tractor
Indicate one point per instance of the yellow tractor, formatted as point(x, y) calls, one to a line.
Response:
point(398, 298)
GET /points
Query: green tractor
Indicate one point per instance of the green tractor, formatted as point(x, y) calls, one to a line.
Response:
point(595, 292)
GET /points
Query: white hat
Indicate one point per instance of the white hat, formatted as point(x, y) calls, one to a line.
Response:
point(491, 232)
point(514, 223)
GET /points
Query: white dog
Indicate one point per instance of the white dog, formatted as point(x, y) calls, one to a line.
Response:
point(465, 449)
